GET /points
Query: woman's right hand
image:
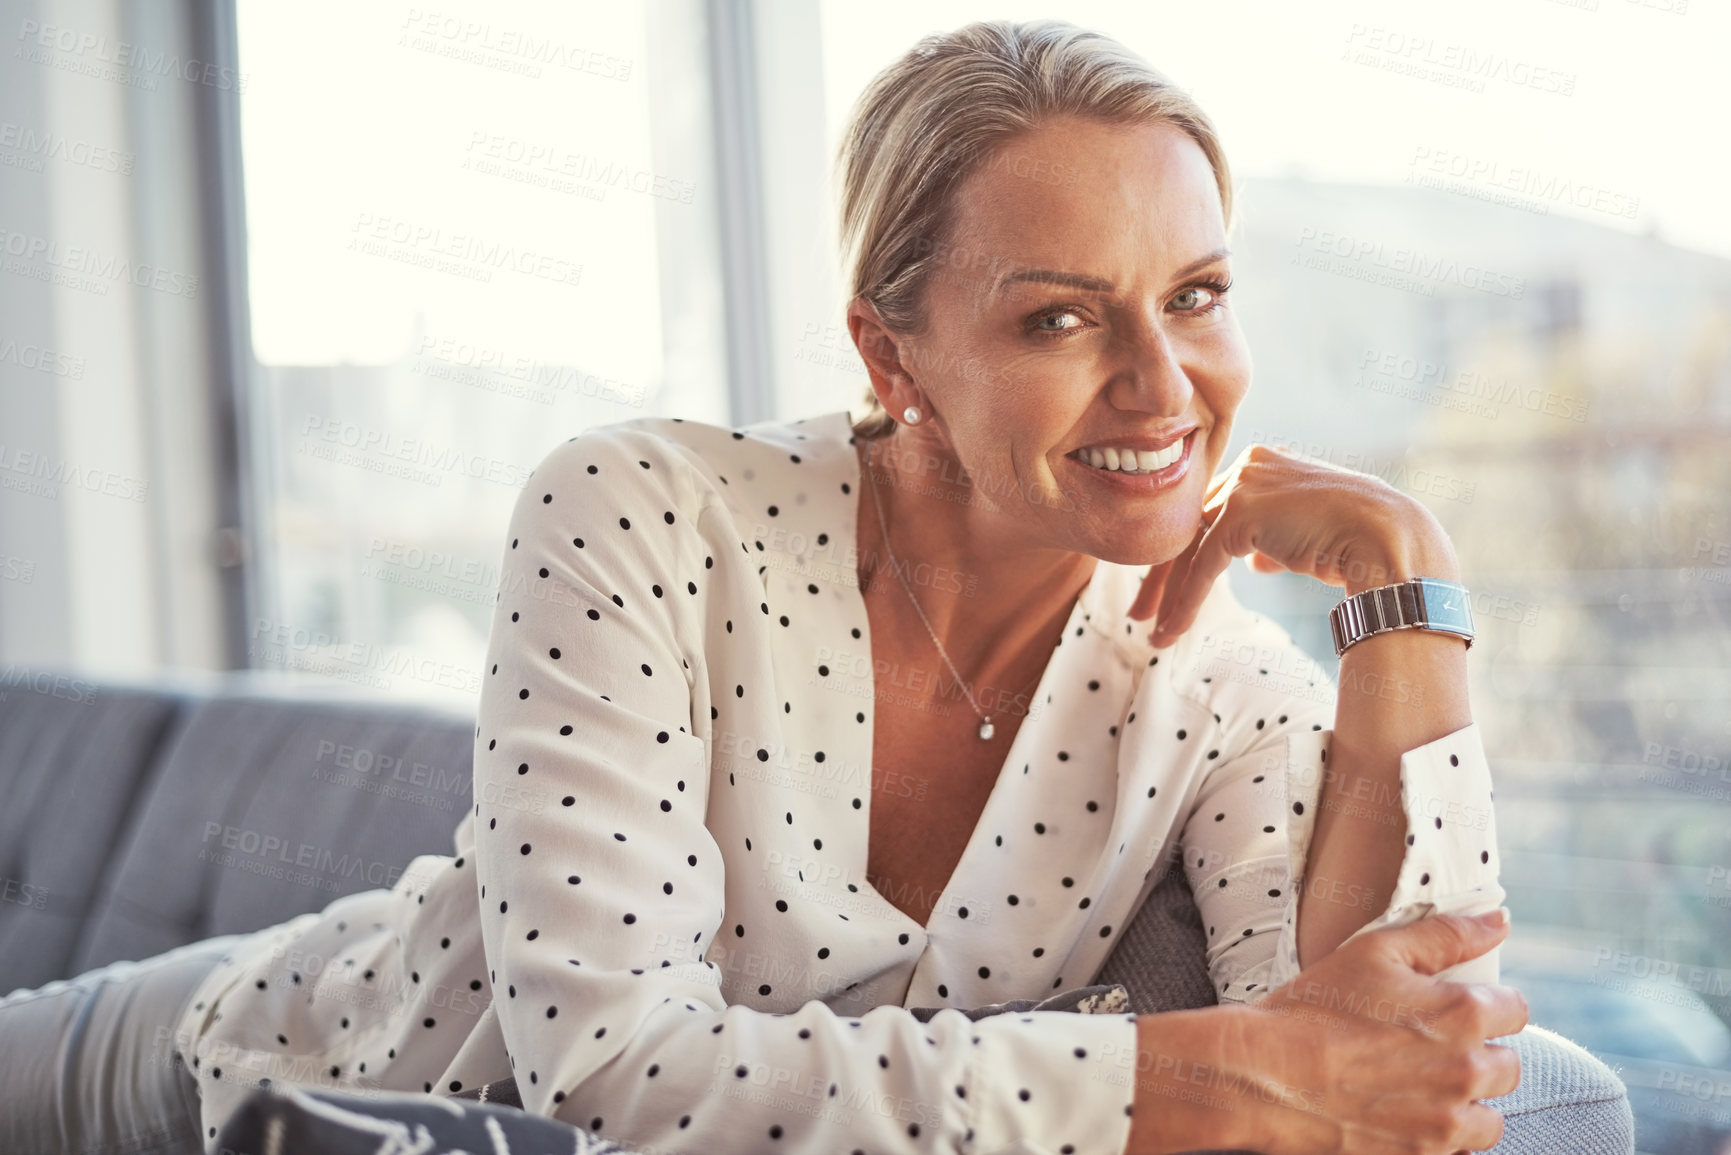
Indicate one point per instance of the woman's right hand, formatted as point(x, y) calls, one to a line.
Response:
point(1362, 1053)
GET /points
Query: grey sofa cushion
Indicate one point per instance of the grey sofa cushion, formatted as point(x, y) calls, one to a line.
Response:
point(1567, 1101)
point(266, 808)
point(1161, 957)
point(74, 757)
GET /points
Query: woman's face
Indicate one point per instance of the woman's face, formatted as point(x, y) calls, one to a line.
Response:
point(1077, 307)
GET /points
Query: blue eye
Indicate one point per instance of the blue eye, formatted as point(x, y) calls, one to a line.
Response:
point(1041, 325)
point(1215, 290)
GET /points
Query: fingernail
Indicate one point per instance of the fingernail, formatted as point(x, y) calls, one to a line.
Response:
point(1497, 917)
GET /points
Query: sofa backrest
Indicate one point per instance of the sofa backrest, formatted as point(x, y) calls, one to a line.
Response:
point(265, 808)
point(74, 759)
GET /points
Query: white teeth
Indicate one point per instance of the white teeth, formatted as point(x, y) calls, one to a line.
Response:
point(1132, 460)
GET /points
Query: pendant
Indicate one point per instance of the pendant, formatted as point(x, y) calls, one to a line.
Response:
point(986, 730)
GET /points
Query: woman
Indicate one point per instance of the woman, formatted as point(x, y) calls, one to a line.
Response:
point(787, 731)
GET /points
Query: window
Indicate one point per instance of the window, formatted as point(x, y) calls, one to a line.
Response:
point(472, 233)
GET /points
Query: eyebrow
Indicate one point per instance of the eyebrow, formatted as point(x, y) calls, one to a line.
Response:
point(1095, 284)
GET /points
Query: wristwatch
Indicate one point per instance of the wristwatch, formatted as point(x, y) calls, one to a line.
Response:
point(1418, 603)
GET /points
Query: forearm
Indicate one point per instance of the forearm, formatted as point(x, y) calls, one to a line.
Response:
point(1397, 691)
point(1195, 1087)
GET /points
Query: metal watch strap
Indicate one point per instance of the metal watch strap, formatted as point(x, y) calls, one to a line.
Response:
point(1417, 603)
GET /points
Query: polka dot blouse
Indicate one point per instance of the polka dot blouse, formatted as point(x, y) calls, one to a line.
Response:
point(657, 918)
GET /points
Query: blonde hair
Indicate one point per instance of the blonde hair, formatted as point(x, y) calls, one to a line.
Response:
point(927, 122)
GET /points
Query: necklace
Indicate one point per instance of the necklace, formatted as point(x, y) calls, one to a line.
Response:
point(986, 729)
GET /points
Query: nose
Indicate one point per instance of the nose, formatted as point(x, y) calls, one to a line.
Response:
point(1149, 376)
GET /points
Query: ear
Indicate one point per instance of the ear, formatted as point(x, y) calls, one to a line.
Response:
point(882, 351)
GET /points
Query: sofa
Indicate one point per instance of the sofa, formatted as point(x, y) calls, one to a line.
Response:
point(137, 818)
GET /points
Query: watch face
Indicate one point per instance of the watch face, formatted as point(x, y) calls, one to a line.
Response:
point(1447, 604)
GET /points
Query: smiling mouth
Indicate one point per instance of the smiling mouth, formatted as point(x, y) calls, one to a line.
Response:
point(1131, 461)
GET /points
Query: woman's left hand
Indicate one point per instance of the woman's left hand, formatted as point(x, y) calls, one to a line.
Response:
point(1337, 525)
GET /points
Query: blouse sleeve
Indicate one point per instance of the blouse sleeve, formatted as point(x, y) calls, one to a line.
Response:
point(1247, 837)
point(601, 887)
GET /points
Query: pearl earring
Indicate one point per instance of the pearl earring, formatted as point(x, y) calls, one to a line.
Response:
point(911, 415)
